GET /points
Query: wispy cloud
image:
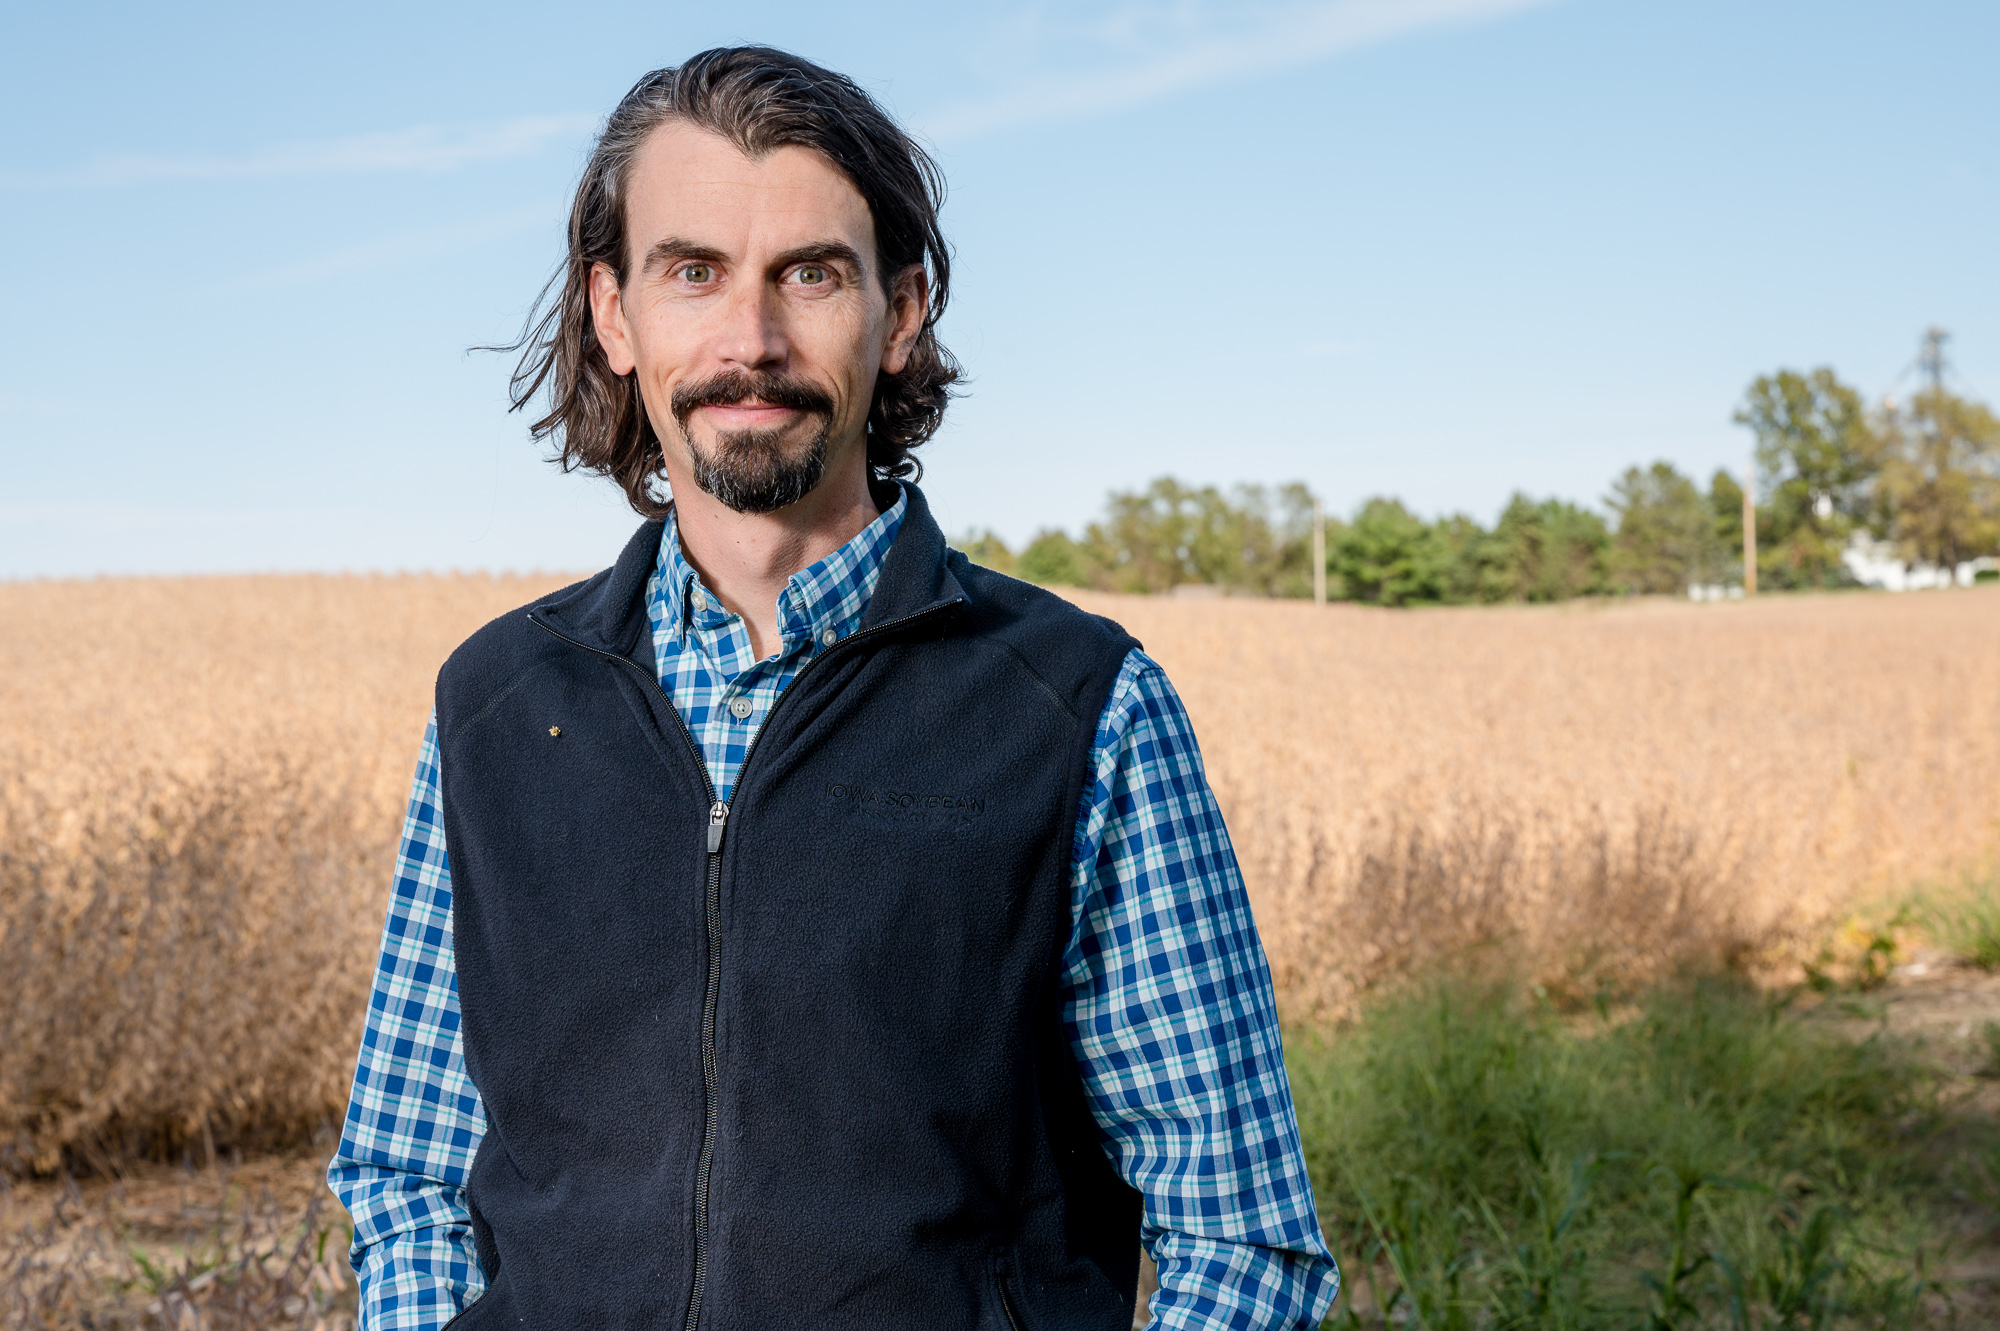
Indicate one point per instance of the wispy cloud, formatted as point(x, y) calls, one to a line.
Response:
point(1252, 40)
point(405, 247)
point(418, 148)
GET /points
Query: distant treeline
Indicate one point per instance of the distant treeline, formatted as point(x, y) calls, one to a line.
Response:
point(1923, 476)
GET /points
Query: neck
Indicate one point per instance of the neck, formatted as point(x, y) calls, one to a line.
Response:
point(746, 558)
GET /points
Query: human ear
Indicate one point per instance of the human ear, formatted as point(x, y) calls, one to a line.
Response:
point(607, 313)
point(909, 302)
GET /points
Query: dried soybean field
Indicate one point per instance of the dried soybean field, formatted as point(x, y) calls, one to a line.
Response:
point(201, 782)
point(1603, 790)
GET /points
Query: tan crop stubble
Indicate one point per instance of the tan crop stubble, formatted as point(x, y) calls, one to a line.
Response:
point(201, 782)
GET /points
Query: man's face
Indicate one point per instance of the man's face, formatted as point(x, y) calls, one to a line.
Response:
point(753, 313)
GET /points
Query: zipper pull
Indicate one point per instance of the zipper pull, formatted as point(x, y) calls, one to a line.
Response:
point(718, 818)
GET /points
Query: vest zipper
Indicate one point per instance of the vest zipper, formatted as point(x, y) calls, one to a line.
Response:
point(718, 824)
point(1007, 1304)
point(718, 821)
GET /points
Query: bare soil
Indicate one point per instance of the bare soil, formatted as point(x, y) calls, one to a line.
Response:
point(231, 1244)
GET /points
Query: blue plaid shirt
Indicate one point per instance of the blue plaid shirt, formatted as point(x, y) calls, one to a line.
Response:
point(1169, 1004)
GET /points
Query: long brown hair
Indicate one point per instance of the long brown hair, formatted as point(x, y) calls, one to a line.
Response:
point(760, 99)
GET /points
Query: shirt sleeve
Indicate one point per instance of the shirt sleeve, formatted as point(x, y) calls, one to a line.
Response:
point(1171, 1012)
point(414, 1119)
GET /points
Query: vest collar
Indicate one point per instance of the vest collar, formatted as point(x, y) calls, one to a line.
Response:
point(916, 578)
point(608, 612)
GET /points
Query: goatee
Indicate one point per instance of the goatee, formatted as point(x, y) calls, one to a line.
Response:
point(756, 471)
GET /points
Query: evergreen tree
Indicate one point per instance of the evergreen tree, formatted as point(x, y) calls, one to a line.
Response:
point(1546, 551)
point(1386, 556)
point(1666, 536)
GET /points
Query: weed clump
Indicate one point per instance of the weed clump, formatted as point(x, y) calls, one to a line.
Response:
point(1698, 1158)
point(1965, 920)
point(1702, 1156)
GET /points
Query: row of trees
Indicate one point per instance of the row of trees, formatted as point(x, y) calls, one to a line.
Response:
point(1923, 476)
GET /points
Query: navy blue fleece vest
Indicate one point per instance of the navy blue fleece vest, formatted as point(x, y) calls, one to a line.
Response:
point(797, 1061)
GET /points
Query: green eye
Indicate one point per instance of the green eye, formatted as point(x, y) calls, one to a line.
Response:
point(810, 276)
point(697, 272)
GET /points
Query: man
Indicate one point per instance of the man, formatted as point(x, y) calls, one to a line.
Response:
point(834, 933)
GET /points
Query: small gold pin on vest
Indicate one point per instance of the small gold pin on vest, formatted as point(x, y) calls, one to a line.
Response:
point(555, 732)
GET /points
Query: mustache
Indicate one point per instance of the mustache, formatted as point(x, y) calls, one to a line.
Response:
point(733, 386)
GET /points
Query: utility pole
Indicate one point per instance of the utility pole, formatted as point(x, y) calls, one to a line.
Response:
point(1750, 532)
point(1936, 436)
point(1319, 552)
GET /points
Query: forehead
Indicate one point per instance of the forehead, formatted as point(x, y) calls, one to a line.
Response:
point(685, 181)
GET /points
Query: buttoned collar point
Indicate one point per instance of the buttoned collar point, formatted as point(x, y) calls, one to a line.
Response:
point(819, 605)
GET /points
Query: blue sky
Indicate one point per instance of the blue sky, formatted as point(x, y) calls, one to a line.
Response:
point(1440, 249)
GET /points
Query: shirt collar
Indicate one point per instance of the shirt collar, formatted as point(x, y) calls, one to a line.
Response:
point(828, 596)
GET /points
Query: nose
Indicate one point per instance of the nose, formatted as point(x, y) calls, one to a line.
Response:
point(752, 335)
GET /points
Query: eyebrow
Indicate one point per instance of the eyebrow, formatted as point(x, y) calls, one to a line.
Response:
point(822, 251)
point(673, 248)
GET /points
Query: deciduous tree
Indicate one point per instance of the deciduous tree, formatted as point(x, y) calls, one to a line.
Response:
point(1054, 560)
point(1252, 540)
point(1817, 455)
point(984, 547)
point(1940, 486)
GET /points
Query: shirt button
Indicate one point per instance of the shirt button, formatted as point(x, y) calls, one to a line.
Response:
point(828, 638)
point(697, 600)
point(740, 708)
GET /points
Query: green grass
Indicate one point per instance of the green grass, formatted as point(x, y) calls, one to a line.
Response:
point(1964, 921)
point(1708, 1159)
